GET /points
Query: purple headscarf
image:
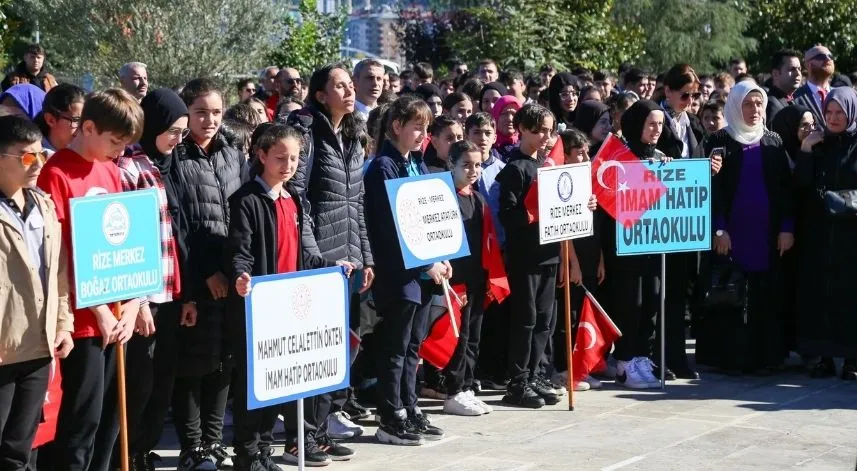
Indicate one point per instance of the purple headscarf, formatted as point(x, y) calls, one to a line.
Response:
point(846, 98)
point(28, 97)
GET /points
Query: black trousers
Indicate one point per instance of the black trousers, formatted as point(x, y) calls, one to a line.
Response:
point(494, 339)
point(152, 361)
point(88, 422)
point(199, 404)
point(533, 313)
point(634, 302)
point(681, 269)
point(461, 369)
point(403, 328)
point(22, 394)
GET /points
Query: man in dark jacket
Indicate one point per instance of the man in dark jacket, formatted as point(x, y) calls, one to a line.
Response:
point(820, 68)
point(785, 79)
point(33, 67)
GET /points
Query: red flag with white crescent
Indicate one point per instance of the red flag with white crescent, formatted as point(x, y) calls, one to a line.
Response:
point(47, 428)
point(596, 332)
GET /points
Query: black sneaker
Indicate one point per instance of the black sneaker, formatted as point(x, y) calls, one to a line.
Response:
point(196, 459)
point(398, 432)
point(544, 390)
point(336, 451)
point(251, 463)
point(356, 410)
point(849, 371)
point(144, 461)
point(520, 394)
point(220, 455)
point(313, 455)
point(421, 424)
point(267, 461)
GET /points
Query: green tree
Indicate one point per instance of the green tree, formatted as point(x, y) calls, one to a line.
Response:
point(703, 33)
point(798, 24)
point(310, 39)
point(177, 40)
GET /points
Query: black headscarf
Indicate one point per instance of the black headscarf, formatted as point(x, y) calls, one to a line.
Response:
point(587, 115)
point(427, 90)
point(786, 123)
point(633, 121)
point(496, 86)
point(161, 108)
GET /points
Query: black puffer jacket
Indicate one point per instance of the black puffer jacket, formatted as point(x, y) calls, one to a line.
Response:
point(330, 178)
point(208, 180)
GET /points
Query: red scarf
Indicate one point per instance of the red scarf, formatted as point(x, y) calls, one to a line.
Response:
point(492, 261)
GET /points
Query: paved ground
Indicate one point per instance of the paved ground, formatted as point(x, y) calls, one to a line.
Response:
point(717, 423)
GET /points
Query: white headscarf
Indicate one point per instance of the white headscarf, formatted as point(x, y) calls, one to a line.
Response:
point(736, 126)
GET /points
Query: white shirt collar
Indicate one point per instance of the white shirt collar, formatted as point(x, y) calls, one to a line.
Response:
point(274, 195)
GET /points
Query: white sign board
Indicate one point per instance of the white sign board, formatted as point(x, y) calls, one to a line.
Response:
point(564, 193)
point(297, 336)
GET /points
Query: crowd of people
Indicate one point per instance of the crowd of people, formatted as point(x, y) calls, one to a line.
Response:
point(292, 177)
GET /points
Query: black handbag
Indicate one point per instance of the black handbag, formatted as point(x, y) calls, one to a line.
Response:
point(728, 288)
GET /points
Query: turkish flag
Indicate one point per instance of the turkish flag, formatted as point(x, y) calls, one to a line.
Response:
point(555, 157)
point(625, 188)
point(47, 428)
point(595, 334)
point(353, 344)
point(492, 261)
point(438, 347)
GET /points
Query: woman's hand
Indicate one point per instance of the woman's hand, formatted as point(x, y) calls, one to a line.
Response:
point(716, 164)
point(349, 267)
point(602, 272)
point(722, 243)
point(437, 272)
point(814, 138)
point(785, 241)
point(662, 160)
point(242, 285)
point(592, 205)
point(575, 275)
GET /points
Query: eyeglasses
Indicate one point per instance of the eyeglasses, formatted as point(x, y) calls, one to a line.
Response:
point(294, 81)
point(807, 127)
point(30, 158)
point(179, 132)
point(567, 95)
point(686, 95)
point(74, 121)
point(822, 57)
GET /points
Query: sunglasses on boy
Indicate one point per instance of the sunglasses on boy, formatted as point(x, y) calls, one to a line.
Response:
point(695, 95)
point(29, 158)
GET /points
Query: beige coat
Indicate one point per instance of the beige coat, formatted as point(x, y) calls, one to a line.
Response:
point(29, 321)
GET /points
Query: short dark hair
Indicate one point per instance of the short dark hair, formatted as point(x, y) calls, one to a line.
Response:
point(458, 149)
point(635, 75)
point(584, 74)
point(115, 111)
point(715, 106)
point(478, 120)
point(508, 77)
point(244, 113)
point(601, 75)
point(453, 99)
point(17, 130)
point(473, 89)
point(199, 87)
point(423, 71)
point(705, 77)
point(238, 134)
point(59, 100)
point(405, 108)
point(243, 83)
point(531, 116)
point(277, 133)
point(680, 75)
point(736, 61)
point(548, 68)
point(779, 57)
point(572, 137)
point(36, 49)
point(440, 123)
point(392, 76)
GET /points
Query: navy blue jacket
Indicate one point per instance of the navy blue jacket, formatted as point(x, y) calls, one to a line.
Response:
point(392, 281)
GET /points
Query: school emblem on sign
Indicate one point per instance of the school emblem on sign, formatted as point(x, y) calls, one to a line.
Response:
point(116, 223)
point(302, 301)
point(564, 187)
point(409, 220)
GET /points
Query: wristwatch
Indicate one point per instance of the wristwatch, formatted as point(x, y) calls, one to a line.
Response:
point(719, 233)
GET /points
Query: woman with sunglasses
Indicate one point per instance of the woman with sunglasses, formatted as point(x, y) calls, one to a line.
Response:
point(60, 116)
point(150, 165)
point(679, 139)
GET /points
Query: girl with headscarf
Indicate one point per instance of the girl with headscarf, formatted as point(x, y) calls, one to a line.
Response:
point(503, 113)
point(432, 95)
point(490, 94)
point(593, 119)
point(631, 288)
point(828, 258)
point(23, 99)
point(149, 164)
point(753, 217)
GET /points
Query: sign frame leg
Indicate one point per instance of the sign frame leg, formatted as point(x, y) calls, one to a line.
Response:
point(121, 399)
point(300, 418)
point(566, 247)
point(663, 320)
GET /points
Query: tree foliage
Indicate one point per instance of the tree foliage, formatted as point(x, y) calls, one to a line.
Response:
point(524, 34)
point(798, 24)
point(177, 40)
point(310, 39)
point(704, 33)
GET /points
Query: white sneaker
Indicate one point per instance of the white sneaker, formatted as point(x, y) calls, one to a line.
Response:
point(461, 404)
point(486, 409)
point(628, 374)
point(560, 379)
point(340, 426)
point(593, 383)
point(582, 386)
point(647, 369)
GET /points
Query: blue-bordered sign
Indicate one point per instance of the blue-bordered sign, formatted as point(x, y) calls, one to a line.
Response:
point(564, 193)
point(678, 221)
point(297, 336)
point(428, 221)
point(116, 247)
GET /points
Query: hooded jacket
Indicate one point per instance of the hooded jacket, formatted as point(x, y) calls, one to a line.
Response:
point(28, 97)
point(330, 180)
point(43, 79)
